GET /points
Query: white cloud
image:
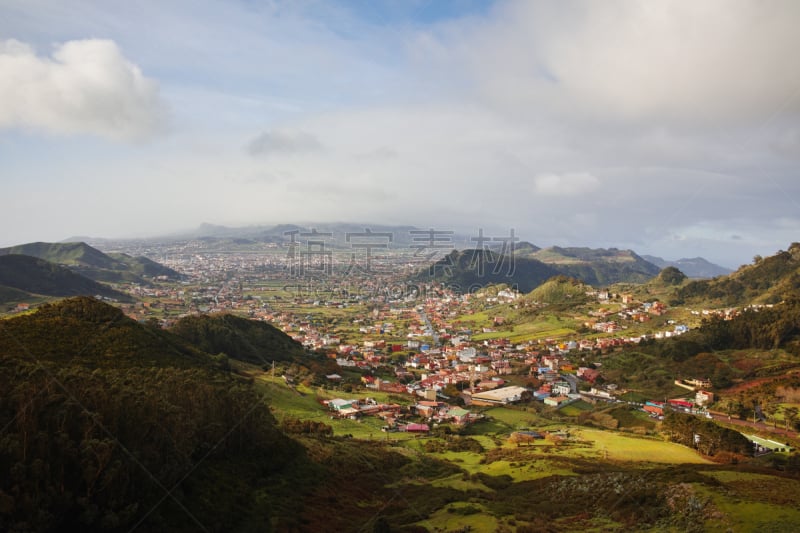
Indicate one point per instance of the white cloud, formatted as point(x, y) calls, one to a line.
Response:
point(88, 87)
point(570, 184)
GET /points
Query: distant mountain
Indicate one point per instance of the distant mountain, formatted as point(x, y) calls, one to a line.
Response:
point(531, 267)
point(525, 248)
point(81, 238)
point(598, 266)
point(238, 338)
point(468, 269)
point(334, 234)
point(696, 267)
point(31, 276)
point(94, 264)
point(65, 253)
point(769, 280)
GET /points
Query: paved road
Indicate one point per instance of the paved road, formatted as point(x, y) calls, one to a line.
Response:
point(760, 426)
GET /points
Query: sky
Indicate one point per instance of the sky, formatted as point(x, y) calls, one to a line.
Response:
point(670, 128)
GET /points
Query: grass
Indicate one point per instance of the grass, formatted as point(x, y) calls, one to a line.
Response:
point(727, 476)
point(304, 404)
point(576, 408)
point(461, 515)
point(512, 419)
point(526, 332)
point(738, 512)
point(544, 327)
point(620, 447)
point(458, 482)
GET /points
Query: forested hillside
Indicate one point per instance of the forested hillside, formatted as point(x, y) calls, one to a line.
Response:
point(239, 338)
point(767, 280)
point(110, 425)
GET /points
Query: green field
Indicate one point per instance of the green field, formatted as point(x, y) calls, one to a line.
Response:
point(544, 327)
point(514, 418)
point(621, 447)
point(528, 332)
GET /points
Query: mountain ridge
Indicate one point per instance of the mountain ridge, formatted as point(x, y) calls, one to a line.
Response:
point(37, 277)
point(597, 267)
point(92, 263)
point(694, 267)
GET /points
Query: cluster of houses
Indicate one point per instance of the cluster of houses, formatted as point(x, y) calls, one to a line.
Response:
point(685, 405)
point(398, 417)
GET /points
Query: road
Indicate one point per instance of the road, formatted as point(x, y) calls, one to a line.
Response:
point(760, 426)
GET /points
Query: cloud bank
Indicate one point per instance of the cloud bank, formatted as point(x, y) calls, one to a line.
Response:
point(87, 87)
point(716, 62)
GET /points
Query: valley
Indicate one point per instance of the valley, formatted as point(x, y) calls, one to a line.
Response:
point(401, 402)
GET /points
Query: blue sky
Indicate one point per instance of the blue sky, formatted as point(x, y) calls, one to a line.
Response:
point(667, 127)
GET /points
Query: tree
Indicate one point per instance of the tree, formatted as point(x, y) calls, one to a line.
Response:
point(790, 417)
point(672, 276)
point(772, 410)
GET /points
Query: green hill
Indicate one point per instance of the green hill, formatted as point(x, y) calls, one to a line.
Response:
point(767, 280)
point(66, 253)
point(94, 264)
point(238, 338)
point(531, 267)
point(598, 266)
point(23, 275)
point(111, 425)
point(469, 269)
point(86, 331)
point(559, 289)
point(143, 266)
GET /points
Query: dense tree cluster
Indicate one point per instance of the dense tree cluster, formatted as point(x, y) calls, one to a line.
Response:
point(764, 328)
point(672, 276)
point(709, 438)
point(295, 426)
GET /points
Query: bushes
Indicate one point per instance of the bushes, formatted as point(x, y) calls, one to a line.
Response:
point(295, 426)
point(454, 443)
